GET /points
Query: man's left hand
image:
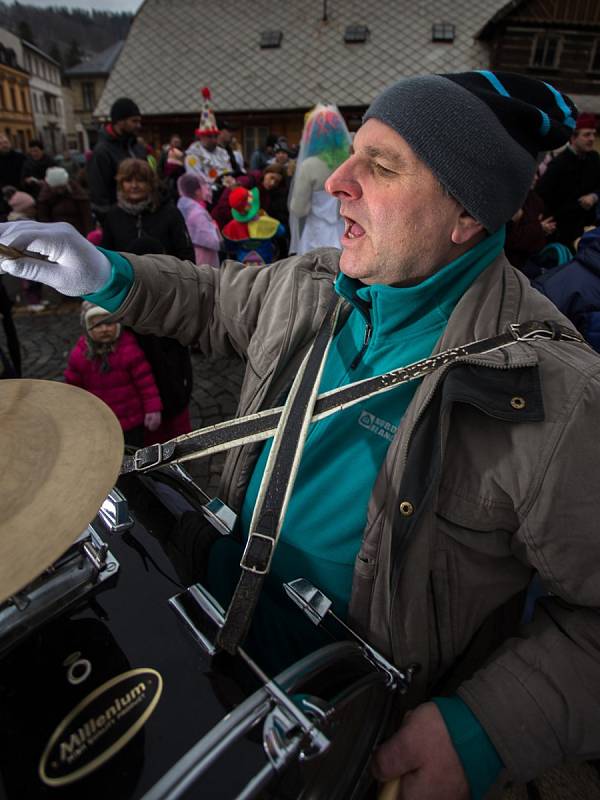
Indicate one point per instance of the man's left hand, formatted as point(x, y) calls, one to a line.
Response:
point(422, 755)
point(587, 201)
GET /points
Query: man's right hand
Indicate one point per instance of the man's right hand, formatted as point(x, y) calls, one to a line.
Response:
point(79, 269)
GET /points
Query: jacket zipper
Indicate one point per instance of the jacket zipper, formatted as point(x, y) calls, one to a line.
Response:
point(366, 339)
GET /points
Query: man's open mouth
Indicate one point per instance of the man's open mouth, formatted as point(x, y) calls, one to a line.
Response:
point(352, 230)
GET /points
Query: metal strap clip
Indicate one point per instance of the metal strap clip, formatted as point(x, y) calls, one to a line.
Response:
point(246, 554)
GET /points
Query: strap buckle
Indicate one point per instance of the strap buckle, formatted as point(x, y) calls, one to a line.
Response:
point(246, 554)
point(145, 459)
point(534, 330)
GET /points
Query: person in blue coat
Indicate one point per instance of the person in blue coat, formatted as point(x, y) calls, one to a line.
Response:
point(575, 287)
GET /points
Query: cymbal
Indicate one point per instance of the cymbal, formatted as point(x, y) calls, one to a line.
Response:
point(60, 453)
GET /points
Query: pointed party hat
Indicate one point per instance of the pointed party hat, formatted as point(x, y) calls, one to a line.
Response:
point(208, 123)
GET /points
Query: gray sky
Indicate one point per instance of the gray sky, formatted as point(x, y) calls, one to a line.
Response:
point(100, 5)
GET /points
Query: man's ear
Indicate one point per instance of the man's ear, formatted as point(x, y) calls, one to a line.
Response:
point(466, 228)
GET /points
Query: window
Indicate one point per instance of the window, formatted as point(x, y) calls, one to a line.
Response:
point(546, 51)
point(23, 100)
point(270, 39)
point(89, 96)
point(443, 32)
point(13, 99)
point(254, 137)
point(355, 34)
point(595, 58)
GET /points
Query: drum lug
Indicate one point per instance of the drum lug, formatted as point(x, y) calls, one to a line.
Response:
point(317, 607)
point(114, 513)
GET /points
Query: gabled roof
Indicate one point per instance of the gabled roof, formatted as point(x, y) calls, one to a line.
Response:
point(39, 52)
point(175, 47)
point(100, 64)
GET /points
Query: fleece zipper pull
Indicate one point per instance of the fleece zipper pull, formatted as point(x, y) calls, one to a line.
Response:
point(365, 344)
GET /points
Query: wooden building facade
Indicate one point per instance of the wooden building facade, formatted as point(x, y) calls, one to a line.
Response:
point(555, 40)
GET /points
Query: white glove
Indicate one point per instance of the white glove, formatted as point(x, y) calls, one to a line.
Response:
point(80, 268)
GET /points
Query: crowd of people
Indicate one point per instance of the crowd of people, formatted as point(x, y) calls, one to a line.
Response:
point(203, 203)
point(206, 203)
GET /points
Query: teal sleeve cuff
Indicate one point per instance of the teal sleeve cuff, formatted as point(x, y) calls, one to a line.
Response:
point(477, 754)
point(113, 293)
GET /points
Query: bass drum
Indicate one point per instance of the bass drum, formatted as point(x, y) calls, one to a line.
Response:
point(111, 697)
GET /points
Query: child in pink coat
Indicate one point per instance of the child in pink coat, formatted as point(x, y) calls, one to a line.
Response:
point(109, 363)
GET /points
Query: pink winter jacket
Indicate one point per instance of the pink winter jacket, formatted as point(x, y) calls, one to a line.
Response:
point(128, 388)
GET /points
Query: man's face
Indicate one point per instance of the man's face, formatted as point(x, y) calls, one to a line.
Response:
point(131, 125)
point(583, 140)
point(4, 144)
point(175, 142)
point(36, 152)
point(209, 143)
point(282, 157)
point(398, 220)
point(224, 137)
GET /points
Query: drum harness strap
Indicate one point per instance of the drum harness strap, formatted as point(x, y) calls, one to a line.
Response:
point(288, 425)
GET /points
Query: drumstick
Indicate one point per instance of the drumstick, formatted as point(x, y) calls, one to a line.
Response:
point(390, 790)
point(14, 252)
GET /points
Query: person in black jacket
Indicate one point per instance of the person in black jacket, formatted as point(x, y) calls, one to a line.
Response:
point(34, 168)
point(571, 185)
point(11, 166)
point(142, 223)
point(12, 339)
point(574, 288)
point(140, 211)
point(116, 142)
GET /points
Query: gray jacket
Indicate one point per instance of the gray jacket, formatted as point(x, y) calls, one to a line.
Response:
point(494, 473)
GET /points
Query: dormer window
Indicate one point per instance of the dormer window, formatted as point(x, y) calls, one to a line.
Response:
point(443, 32)
point(356, 34)
point(270, 39)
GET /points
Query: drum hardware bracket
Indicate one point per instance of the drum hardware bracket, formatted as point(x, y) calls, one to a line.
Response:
point(114, 513)
point(80, 571)
point(96, 555)
point(204, 617)
point(220, 516)
point(317, 607)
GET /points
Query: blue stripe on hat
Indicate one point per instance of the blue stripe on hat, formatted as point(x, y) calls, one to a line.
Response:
point(499, 87)
point(494, 81)
point(560, 101)
point(545, 126)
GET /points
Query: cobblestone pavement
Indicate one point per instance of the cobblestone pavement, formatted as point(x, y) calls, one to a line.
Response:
point(47, 338)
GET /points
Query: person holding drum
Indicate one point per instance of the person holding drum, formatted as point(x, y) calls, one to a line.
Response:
point(424, 511)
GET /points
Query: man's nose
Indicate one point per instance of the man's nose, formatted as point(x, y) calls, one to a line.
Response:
point(342, 184)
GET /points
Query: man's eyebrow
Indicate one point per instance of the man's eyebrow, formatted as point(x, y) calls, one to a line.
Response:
point(393, 158)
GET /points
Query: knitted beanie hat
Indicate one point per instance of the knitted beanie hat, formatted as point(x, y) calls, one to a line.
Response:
point(56, 176)
point(123, 108)
point(89, 312)
point(479, 133)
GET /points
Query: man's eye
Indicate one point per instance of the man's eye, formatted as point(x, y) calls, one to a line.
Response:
point(383, 170)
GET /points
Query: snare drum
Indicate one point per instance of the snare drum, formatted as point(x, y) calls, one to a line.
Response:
point(104, 694)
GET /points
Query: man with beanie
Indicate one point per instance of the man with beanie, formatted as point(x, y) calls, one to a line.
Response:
point(571, 185)
point(424, 511)
point(116, 142)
